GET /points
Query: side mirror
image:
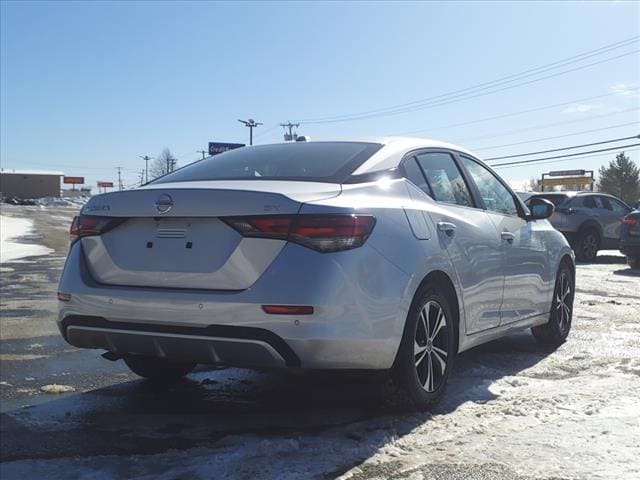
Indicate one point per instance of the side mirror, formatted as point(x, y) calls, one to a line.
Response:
point(539, 208)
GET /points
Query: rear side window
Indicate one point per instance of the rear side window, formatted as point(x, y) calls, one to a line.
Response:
point(415, 176)
point(617, 207)
point(331, 162)
point(444, 178)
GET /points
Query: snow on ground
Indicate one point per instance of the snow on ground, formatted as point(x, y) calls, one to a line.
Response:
point(12, 229)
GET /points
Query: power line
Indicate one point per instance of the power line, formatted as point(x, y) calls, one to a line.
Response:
point(268, 130)
point(512, 114)
point(556, 136)
point(565, 156)
point(472, 92)
point(564, 148)
point(547, 125)
point(569, 159)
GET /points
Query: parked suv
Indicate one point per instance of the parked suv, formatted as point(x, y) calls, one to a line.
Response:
point(630, 238)
point(590, 221)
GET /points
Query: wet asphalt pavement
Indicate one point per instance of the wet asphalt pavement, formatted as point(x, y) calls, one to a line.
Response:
point(233, 423)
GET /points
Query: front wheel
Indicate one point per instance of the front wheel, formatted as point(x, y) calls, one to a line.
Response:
point(427, 350)
point(587, 245)
point(554, 333)
point(158, 370)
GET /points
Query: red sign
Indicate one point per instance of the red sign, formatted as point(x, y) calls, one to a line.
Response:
point(73, 180)
point(105, 184)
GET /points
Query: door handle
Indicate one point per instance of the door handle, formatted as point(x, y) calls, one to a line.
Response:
point(447, 227)
point(508, 236)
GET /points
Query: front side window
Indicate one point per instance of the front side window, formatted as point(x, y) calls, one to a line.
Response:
point(495, 195)
point(445, 179)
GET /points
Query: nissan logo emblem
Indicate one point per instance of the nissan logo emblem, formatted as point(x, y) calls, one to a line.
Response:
point(164, 203)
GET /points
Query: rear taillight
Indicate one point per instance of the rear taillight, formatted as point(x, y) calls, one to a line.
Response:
point(323, 233)
point(86, 225)
point(630, 221)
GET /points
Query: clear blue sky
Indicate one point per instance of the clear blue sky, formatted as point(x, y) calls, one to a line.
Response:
point(90, 86)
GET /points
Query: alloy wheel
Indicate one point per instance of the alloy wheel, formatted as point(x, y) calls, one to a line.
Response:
point(563, 302)
point(431, 342)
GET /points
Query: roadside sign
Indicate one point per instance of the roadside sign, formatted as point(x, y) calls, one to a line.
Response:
point(566, 173)
point(73, 180)
point(105, 184)
point(549, 182)
point(219, 147)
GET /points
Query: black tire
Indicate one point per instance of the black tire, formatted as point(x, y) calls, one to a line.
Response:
point(587, 245)
point(158, 370)
point(634, 262)
point(409, 384)
point(554, 333)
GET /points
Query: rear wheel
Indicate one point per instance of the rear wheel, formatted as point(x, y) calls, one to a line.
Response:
point(587, 245)
point(158, 370)
point(427, 351)
point(555, 331)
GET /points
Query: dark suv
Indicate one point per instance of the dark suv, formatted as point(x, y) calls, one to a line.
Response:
point(630, 238)
point(590, 221)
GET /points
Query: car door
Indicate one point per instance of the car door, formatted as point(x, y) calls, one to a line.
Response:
point(524, 255)
point(611, 217)
point(467, 234)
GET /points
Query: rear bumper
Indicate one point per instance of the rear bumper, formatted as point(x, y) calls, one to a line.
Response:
point(630, 247)
point(214, 344)
point(360, 305)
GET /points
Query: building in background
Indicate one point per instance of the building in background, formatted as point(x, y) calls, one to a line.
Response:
point(29, 183)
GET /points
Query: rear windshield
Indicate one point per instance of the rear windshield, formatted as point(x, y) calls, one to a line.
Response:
point(555, 199)
point(330, 162)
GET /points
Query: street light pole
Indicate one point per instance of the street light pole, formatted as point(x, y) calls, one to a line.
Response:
point(251, 123)
point(146, 159)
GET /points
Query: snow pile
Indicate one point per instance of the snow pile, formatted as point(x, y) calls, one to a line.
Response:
point(78, 201)
point(10, 230)
point(55, 388)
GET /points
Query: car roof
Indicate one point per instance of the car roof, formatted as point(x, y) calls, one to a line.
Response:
point(394, 148)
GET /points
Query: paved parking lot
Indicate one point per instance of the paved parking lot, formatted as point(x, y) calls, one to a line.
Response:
point(512, 409)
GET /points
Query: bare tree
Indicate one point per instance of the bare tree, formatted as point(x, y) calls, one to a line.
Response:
point(163, 164)
point(534, 186)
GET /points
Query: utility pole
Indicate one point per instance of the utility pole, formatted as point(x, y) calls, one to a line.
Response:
point(146, 159)
point(119, 177)
point(290, 136)
point(251, 123)
point(142, 177)
point(203, 152)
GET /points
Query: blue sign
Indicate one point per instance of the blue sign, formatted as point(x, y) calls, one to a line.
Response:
point(218, 147)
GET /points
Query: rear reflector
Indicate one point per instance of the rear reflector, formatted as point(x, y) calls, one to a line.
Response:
point(323, 233)
point(288, 309)
point(64, 297)
point(86, 225)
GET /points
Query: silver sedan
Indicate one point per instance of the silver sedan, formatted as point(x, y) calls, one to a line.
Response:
point(390, 255)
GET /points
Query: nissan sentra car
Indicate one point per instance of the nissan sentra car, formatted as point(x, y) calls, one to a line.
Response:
point(391, 256)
